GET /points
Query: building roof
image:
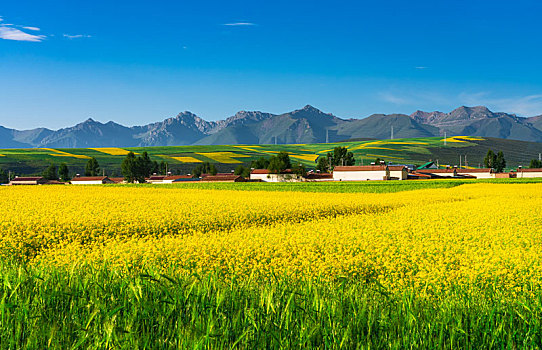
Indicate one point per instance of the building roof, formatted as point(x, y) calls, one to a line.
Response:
point(117, 180)
point(313, 176)
point(176, 177)
point(482, 170)
point(361, 168)
point(157, 177)
point(396, 167)
point(34, 178)
point(436, 171)
point(530, 170)
point(228, 177)
point(90, 178)
point(265, 171)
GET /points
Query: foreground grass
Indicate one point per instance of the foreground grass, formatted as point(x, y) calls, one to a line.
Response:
point(346, 186)
point(99, 308)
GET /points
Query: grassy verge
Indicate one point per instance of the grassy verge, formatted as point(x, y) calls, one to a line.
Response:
point(99, 308)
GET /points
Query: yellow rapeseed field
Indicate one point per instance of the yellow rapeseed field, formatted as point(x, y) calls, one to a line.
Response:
point(431, 239)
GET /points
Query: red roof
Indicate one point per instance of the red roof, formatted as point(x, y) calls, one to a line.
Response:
point(483, 170)
point(396, 167)
point(117, 180)
point(176, 177)
point(228, 177)
point(157, 177)
point(361, 168)
point(89, 178)
point(35, 178)
point(530, 170)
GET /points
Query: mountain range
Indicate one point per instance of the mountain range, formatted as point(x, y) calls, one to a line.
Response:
point(306, 125)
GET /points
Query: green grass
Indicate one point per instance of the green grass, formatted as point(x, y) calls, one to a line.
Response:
point(410, 151)
point(340, 187)
point(99, 308)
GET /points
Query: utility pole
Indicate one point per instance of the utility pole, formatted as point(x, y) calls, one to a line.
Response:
point(327, 135)
point(540, 157)
point(460, 161)
point(392, 132)
point(466, 164)
point(445, 139)
point(275, 140)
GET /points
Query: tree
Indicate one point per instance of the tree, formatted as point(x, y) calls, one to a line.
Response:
point(64, 172)
point(300, 170)
point(204, 168)
point(260, 163)
point(3, 177)
point(535, 164)
point(163, 168)
point(284, 157)
point(144, 166)
point(323, 164)
point(341, 157)
point(129, 167)
point(50, 173)
point(500, 162)
point(92, 168)
point(490, 159)
point(241, 170)
point(378, 160)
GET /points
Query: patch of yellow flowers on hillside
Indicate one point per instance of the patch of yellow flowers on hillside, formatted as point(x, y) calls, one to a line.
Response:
point(431, 239)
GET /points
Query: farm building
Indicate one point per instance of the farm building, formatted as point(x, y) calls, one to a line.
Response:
point(223, 178)
point(178, 178)
point(452, 172)
point(535, 172)
point(314, 177)
point(266, 176)
point(398, 172)
point(28, 181)
point(91, 180)
point(156, 179)
point(117, 180)
point(484, 173)
point(361, 173)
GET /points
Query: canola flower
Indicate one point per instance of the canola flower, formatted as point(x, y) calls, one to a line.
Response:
point(223, 157)
point(432, 240)
point(112, 151)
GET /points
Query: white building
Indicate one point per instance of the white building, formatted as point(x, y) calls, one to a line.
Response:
point(398, 172)
point(452, 172)
point(361, 173)
point(485, 173)
point(91, 180)
point(38, 180)
point(524, 173)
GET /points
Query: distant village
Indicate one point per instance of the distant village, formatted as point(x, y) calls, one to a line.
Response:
point(335, 166)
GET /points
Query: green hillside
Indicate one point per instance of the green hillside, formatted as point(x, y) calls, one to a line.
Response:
point(182, 159)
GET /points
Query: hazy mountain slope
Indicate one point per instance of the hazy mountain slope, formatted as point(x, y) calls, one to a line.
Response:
point(379, 126)
point(7, 141)
point(536, 122)
point(504, 127)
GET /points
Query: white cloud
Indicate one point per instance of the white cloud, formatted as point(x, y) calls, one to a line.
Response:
point(9, 33)
point(76, 36)
point(240, 24)
point(36, 29)
point(421, 67)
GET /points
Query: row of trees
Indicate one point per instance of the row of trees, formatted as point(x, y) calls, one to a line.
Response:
point(339, 157)
point(495, 161)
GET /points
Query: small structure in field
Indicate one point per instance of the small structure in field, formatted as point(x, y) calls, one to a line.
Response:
point(267, 176)
point(398, 172)
point(117, 180)
point(91, 180)
point(223, 178)
point(361, 172)
point(36, 180)
point(484, 173)
point(439, 173)
point(510, 175)
point(154, 179)
point(526, 173)
point(316, 177)
point(178, 178)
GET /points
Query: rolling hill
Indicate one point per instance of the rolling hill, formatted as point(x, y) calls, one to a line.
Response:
point(182, 159)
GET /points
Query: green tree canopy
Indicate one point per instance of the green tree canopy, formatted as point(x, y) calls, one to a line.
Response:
point(92, 168)
point(3, 177)
point(64, 172)
point(279, 163)
point(500, 162)
point(241, 170)
point(51, 172)
point(341, 157)
point(323, 164)
point(260, 163)
point(490, 159)
point(204, 168)
point(129, 167)
point(299, 170)
point(535, 163)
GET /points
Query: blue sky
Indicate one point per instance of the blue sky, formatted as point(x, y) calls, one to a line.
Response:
point(136, 62)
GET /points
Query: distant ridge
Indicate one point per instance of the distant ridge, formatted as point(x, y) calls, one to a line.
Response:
point(306, 125)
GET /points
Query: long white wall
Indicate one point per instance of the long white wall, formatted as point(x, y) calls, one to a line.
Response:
point(359, 175)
